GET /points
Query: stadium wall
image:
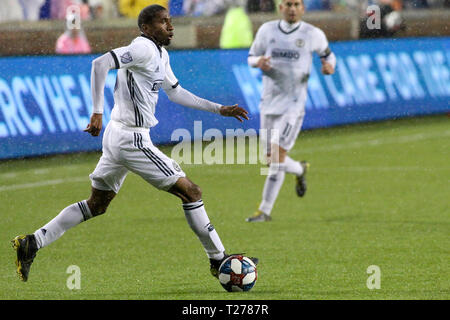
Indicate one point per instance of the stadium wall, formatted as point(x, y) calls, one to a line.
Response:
point(39, 37)
point(45, 101)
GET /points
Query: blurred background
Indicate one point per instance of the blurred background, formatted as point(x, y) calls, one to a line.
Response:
point(393, 62)
point(33, 27)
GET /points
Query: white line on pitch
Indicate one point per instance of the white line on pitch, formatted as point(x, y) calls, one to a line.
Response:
point(41, 171)
point(374, 142)
point(42, 183)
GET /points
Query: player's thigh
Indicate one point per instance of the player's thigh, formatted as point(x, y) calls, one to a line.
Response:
point(267, 130)
point(108, 175)
point(147, 161)
point(287, 129)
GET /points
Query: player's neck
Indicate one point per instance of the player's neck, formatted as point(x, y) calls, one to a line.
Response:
point(289, 26)
point(152, 39)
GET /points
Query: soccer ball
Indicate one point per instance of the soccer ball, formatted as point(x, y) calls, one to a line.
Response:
point(237, 273)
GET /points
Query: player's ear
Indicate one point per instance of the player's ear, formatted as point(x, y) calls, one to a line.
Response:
point(145, 28)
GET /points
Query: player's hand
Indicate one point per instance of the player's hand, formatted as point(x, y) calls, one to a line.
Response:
point(326, 67)
point(95, 126)
point(234, 111)
point(264, 63)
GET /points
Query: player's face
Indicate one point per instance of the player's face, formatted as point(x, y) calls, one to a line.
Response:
point(292, 10)
point(161, 28)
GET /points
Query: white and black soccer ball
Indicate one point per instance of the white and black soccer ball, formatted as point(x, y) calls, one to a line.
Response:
point(237, 273)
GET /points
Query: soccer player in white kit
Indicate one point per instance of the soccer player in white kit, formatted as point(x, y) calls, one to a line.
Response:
point(144, 68)
point(283, 50)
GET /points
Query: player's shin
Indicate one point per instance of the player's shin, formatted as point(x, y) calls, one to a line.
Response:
point(66, 219)
point(198, 220)
point(272, 187)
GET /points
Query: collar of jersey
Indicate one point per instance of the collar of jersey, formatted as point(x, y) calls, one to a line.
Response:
point(153, 40)
point(295, 28)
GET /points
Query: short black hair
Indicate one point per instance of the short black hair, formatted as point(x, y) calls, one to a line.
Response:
point(148, 13)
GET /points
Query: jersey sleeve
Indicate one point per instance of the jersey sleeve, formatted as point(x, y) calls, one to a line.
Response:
point(258, 47)
point(170, 80)
point(320, 43)
point(135, 54)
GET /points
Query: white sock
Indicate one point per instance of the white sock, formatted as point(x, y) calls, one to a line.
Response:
point(66, 219)
point(272, 187)
point(293, 166)
point(199, 222)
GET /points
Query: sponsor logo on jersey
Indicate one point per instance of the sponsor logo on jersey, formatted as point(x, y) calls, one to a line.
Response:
point(285, 54)
point(126, 57)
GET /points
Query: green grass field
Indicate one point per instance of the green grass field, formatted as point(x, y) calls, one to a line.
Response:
point(378, 195)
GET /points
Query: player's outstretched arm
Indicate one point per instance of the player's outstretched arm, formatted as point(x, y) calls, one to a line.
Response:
point(186, 98)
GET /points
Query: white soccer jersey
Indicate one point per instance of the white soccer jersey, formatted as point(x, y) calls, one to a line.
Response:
point(144, 69)
point(291, 49)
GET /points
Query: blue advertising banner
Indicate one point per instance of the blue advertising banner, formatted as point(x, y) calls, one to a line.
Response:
point(45, 102)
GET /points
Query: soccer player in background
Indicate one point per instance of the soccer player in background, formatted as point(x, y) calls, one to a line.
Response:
point(144, 69)
point(283, 50)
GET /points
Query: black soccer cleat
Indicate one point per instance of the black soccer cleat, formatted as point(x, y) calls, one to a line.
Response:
point(300, 185)
point(215, 264)
point(26, 248)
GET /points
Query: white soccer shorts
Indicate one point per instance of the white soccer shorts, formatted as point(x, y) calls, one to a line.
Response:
point(131, 149)
point(282, 130)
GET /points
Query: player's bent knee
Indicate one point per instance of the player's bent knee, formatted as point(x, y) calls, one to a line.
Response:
point(99, 201)
point(99, 211)
point(194, 193)
point(96, 208)
point(186, 190)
